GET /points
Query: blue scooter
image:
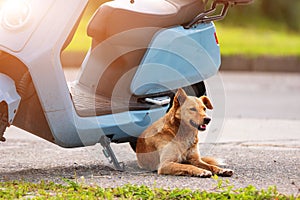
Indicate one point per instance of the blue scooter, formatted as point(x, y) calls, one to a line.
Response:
point(142, 51)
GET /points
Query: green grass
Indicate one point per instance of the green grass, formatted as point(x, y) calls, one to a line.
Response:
point(256, 42)
point(75, 190)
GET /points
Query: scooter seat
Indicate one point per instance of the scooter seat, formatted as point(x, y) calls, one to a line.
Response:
point(120, 25)
point(121, 15)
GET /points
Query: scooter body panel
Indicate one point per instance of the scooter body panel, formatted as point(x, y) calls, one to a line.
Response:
point(9, 95)
point(29, 15)
point(178, 57)
point(74, 131)
point(41, 55)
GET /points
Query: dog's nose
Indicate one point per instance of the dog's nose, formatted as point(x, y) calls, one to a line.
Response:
point(206, 120)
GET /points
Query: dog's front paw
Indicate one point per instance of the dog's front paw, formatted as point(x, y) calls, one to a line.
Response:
point(205, 174)
point(225, 172)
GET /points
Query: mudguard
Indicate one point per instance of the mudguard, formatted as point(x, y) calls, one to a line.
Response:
point(9, 95)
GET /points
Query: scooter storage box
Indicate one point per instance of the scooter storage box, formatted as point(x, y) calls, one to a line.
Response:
point(177, 57)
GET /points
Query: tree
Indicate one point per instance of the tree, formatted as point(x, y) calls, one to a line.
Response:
point(283, 11)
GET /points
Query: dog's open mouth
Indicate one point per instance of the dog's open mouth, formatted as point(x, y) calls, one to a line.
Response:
point(200, 127)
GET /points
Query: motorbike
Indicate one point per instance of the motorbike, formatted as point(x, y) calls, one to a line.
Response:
point(141, 52)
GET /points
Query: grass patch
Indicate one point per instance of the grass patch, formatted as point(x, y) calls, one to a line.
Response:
point(256, 42)
point(75, 190)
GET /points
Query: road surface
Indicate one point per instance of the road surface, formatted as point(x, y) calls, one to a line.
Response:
point(256, 130)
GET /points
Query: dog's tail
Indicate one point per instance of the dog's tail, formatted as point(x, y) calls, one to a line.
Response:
point(214, 161)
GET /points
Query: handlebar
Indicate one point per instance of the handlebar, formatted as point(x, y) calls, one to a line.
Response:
point(204, 16)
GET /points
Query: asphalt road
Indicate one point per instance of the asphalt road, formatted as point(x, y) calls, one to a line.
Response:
point(255, 128)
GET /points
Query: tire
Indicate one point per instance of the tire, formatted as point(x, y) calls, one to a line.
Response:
point(197, 89)
point(3, 120)
point(133, 145)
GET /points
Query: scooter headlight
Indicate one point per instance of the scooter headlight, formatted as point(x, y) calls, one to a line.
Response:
point(15, 13)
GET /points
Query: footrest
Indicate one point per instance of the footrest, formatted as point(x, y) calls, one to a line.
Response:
point(159, 100)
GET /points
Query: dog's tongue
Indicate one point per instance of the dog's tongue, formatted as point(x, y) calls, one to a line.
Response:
point(202, 127)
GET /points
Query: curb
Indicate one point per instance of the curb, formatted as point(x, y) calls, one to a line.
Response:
point(229, 63)
point(261, 63)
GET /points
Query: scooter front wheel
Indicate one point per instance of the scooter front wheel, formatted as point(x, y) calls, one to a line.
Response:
point(3, 120)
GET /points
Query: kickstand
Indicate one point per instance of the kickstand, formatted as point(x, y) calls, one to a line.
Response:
point(109, 154)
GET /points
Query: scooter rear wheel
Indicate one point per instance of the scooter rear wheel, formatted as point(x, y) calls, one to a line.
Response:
point(197, 89)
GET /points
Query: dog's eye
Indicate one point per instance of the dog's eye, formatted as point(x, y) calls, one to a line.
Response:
point(204, 109)
point(193, 109)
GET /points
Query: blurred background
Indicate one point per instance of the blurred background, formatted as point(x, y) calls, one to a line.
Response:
point(265, 28)
point(277, 14)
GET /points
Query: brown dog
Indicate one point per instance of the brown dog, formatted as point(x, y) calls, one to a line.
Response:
point(170, 145)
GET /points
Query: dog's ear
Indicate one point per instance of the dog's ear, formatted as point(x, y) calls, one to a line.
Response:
point(180, 97)
point(206, 102)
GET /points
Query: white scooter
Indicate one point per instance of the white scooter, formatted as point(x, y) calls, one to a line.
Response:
point(141, 52)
